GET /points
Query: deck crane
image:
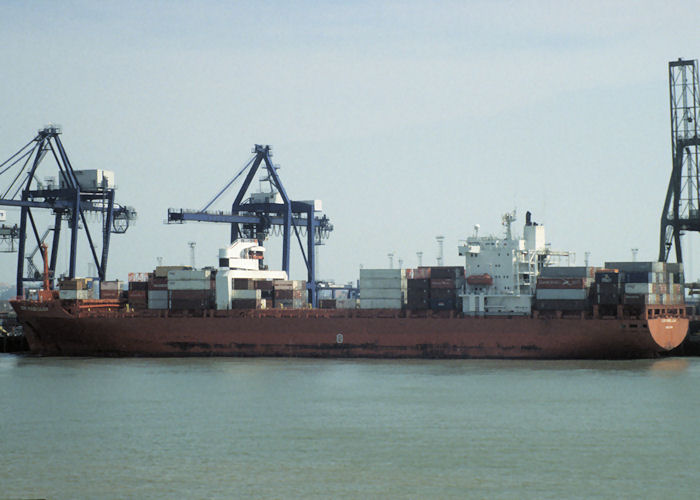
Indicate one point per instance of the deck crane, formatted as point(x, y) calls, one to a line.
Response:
point(255, 216)
point(70, 200)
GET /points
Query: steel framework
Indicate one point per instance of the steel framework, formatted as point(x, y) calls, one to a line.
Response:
point(67, 201)
point(682, 205)
point(254, 218)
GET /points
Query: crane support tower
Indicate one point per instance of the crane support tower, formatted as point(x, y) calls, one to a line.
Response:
point(682, 206)
point(254, 216)
point(78, 192)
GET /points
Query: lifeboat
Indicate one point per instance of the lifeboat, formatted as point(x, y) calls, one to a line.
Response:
point(480, 279)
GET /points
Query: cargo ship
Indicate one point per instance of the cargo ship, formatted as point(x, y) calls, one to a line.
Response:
point(511, 300)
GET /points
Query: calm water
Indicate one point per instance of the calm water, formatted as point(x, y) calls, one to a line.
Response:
point(275, 428)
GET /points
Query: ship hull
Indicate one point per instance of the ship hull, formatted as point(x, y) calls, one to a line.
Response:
point(54, 331)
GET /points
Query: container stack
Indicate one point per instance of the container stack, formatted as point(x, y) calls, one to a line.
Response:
point(418, 292)
point(111, 290)
point(138, 291)
point(266, 288)
point(289, 294)
point(191, 289)
point(245, 295)
point(607, 290)
point(158, 290)
point(382, 288)
point(444, 282)
point(74, 289)
point(644, 283)
point(565, 288)
point(435, 288)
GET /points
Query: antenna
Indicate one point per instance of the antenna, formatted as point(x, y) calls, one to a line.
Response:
point(391, 260)
point(507, 220)
point(159, 260)
point(440, 241)
point(587, 256)
point(400, 263)
point(634, 254)
point(192, 244)
point(420, 258)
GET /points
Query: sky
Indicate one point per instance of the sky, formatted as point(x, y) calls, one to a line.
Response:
point(407, 119)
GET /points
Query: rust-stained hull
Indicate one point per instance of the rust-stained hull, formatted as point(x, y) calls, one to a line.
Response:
point(54, 330)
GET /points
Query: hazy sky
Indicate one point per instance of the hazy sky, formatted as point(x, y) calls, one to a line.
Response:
point(408, 119)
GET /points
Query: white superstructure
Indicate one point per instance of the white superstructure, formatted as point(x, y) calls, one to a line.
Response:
point(241, 259)
point(502, 272)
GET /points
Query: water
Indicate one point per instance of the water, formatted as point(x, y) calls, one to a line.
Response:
point(288, 428)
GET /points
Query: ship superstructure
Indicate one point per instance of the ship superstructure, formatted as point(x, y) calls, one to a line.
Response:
point(501, 273)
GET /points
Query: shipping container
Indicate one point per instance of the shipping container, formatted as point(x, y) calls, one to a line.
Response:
point(442, 283)
point(289, 294)
point(111, 285)
point(189, 274)
point(246, 294)
point(561, 305)
point(162, 271)
point(561, 294)
point(443, 293)
point(382, 283)
point(418, 284)
point(639, 277)
point(246, 304)
point(71, 294)
point(637, 287)
point(157, 299)
point(382, 293)
point(326, 304)
point(446, 272)
point(568, 272)
point(204, 284)
point(264, 285)
point(607, 276)
point(242, 284)
point(561, 283)
point(637, 267)
point(382, 273)
point(73, 284)
point(138, 285)
point(381, 303)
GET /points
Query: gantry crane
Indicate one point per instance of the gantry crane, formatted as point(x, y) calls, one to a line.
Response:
point(682, 205)
point(68, 200)
point(255, 216)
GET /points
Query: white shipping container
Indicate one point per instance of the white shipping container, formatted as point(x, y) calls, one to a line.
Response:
point(381, 303)
point(561, 294)
point(382, 273)
point(189, 284)
point(382, 293)
point(189, 274)
point(383, 283)
point(246, 294)
point(74, 294)
point(641, 288)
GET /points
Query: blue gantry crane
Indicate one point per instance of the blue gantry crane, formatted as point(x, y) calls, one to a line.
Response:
point(70, 199)
point(256, 215)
